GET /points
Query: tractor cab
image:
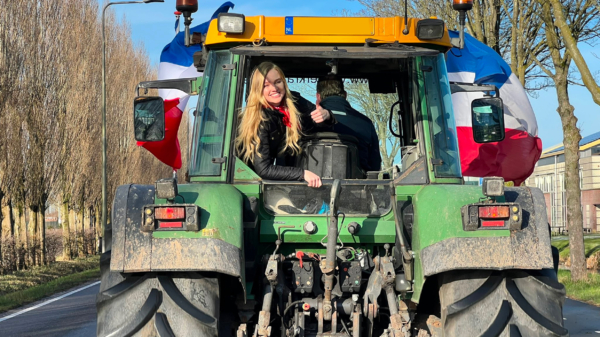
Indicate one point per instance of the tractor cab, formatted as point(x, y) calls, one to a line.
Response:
point(402, 89)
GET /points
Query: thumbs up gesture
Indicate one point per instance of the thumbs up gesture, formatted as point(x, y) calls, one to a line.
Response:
point(319, 115)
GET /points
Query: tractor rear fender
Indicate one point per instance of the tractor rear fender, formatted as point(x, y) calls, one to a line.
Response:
point(444, 246)
point(216, 247)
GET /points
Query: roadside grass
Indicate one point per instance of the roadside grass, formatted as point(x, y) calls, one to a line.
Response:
point(586, 291)
point(27, 286)
point(592, 245)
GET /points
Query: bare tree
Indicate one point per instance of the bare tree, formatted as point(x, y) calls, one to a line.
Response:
point(568, 38)
point(526, 42)
point(583, 25)
point(376, 107)
point(50, 117)
point(486, 22)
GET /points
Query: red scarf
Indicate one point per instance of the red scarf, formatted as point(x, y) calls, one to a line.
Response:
point(286, 115)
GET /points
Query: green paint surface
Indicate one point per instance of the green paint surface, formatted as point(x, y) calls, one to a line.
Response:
point(244, 173)
point(372, 230)
point(438, 217)
point(220, 212)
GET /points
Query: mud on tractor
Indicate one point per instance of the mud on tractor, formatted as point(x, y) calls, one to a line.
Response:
point(408, 251)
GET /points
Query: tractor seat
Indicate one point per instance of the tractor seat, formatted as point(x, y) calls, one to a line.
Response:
point(331, 155)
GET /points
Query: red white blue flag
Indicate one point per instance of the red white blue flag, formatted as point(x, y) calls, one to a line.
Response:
point(513, 158)
point(177, 61)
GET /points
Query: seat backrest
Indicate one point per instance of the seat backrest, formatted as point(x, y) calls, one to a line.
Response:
point(331, 156)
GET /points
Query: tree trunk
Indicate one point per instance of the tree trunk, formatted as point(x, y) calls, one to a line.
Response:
point(43, 258)
point(11, 218)
point(81, 219)
point(67, 253)
point(571, 140)
point(1, 232)
point(73, 229)
point(21, 241)
point(32, 233)
point(27, 243)
point(13, 233)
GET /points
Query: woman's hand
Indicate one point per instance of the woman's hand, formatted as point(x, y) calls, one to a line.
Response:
point(319, 115)
point(312, 179)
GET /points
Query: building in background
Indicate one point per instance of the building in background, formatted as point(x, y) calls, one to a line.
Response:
point(52, 217)
point(549, 176)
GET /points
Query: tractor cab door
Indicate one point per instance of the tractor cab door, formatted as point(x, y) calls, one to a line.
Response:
point(214, 115)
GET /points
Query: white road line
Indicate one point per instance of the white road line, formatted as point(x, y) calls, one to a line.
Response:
point(47, 302)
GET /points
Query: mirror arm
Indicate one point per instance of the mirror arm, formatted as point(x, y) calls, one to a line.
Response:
point(472, 87)
point(184, 84)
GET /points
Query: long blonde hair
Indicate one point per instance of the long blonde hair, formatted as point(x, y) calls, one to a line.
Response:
point(247, 141)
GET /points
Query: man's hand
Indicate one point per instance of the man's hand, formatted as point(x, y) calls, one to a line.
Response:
point(320, 115)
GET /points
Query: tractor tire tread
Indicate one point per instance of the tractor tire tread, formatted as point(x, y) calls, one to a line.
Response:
point(161, 324)
point(140, 318)
point(520, 300)
point(483, 291)
point(177, 297)
point(501, 303)
point(122, 312)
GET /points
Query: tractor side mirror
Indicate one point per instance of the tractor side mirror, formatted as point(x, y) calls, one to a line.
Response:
point(488, 119)
point(149, 118)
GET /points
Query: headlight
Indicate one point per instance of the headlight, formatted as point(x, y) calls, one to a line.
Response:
point(430, 29)
point(231, 23)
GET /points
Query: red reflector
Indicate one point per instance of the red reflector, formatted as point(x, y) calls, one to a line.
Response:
point(492, 223)
point(169, 213)
point(487, 212)
point(163, 224)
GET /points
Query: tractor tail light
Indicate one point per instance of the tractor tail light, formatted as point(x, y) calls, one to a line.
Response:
point(170, 224)
point(492, 223)
point(486, 216)
point(169, 213)
point(493, 212)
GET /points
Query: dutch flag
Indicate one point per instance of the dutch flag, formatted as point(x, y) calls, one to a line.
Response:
point(177, 61)
point(513, 158)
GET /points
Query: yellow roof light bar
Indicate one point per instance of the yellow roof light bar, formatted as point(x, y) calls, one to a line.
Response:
point(327, 30)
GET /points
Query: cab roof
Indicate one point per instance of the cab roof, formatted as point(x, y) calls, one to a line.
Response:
point(324, 30)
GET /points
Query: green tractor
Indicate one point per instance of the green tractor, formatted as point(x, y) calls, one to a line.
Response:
point(408, 251)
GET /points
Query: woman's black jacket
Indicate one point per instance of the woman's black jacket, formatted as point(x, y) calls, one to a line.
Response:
point(271, 133)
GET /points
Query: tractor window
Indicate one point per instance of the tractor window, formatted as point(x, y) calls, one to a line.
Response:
point(374, 87)
point(375, 107)
point(357, 198)
point(209, 126)
point(441, 118)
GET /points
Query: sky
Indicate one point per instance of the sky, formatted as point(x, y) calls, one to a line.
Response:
point(152, 25)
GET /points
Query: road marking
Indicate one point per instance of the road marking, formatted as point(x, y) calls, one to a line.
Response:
point(47, 302)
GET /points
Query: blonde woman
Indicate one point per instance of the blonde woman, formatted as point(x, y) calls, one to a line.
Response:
point(272, 123)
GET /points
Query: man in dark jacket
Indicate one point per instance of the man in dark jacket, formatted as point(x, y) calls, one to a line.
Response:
point(332, 96)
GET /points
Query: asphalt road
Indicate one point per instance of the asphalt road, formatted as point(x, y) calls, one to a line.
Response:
point(75, 316)
point(71, 316)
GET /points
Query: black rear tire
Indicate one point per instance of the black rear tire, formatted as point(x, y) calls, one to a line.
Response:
point(507, 303)
point(150, 304)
